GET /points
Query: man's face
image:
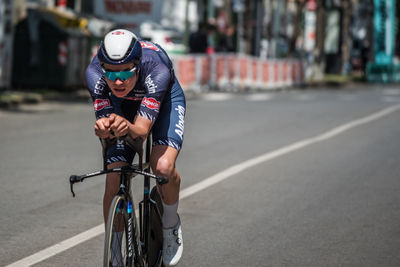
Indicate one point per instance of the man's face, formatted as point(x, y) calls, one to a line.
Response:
point(119, 87)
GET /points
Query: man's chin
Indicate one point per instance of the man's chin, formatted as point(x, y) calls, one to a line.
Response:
point(120, 92)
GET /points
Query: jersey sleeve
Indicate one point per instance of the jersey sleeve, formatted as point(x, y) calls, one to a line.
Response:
point(156, 83)
point(97, 87)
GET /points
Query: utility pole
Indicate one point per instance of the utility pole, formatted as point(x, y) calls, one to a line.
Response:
point(238, 7)
point(211, 20)
point(346, 37)
point(6, 42)
point(259, 17)
point(186, 36)
point(277, 27)
point(78, 6)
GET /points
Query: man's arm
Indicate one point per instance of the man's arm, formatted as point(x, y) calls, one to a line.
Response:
point(140, 127)
point(98, 90)
point(121, 126)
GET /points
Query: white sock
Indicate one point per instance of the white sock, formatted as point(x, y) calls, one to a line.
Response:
point(116, 245)
point(170, 215)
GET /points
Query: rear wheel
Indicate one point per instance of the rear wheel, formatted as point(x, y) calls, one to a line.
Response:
point(116, 249)
point(155, 229)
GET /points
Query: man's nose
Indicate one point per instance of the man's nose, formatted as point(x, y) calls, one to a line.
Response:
point(118, 81)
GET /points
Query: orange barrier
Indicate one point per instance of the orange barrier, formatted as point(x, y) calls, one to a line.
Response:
point(235, 72)
point(205, 70)
point(186, 71)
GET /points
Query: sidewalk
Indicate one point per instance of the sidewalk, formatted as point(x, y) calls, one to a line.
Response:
point(13, 99)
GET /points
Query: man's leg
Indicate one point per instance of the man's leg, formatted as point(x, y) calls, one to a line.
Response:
point(163, 164)
point(112, 187)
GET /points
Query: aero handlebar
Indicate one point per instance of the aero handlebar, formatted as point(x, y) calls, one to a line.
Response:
point(125, 169)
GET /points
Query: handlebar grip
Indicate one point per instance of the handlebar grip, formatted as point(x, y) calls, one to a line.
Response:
point(74, 179)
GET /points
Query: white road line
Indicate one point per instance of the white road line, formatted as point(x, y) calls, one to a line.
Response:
point(217, 96)
point(59, 247)
point(216, 178)
point(391, 91)
point(259, 97)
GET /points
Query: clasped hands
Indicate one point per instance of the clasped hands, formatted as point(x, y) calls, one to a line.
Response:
point(112, 126)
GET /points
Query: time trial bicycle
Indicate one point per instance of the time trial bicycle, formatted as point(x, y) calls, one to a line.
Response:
point(131, 241)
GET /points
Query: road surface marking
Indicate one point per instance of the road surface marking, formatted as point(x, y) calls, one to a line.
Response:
point(259, 97)
point(217, 96)
point(214, 179)
point(391, 91)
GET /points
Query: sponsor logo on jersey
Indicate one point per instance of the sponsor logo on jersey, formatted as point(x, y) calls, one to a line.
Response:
point(151, 103)
point(98, 88)
point(149, 45)
point(180, 126)
point(99, 104)
point(120, 144)
point(151, 87)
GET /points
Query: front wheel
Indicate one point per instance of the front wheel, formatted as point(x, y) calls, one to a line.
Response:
point(118, 248)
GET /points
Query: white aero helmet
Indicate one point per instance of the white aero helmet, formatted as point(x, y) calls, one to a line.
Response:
point(119, 47)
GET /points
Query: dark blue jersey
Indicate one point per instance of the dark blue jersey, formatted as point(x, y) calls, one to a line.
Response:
point(155, 80)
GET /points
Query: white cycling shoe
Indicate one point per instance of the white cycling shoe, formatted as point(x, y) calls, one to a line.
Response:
point(173, 245)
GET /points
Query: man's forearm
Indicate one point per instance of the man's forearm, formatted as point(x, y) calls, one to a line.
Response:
point(138, 131)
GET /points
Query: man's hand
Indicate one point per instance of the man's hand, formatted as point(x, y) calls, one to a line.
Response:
point(119, 125)
point(102, 128)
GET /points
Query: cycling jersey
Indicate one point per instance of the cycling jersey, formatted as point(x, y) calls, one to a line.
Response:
point(157, 96)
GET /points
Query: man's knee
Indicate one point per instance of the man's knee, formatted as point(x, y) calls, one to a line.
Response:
point(163, 166)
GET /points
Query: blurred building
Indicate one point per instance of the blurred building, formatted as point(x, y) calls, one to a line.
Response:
point(330, 36)
point(384, 65)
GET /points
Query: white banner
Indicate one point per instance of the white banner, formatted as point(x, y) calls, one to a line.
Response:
point(310, 20)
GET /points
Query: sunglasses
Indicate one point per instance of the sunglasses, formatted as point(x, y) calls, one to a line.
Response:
point(122, 75)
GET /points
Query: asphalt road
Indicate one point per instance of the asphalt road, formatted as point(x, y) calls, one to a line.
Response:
point(332, 202)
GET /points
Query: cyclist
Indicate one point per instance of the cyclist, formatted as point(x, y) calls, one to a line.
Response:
point(134, 89)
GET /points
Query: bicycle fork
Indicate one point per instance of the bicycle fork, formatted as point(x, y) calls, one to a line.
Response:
point(133, 235)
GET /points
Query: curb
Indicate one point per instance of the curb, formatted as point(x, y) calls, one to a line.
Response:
point(11, 100)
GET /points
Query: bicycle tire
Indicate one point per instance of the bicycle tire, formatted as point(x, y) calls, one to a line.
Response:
point(155, 230)
point(117, 221)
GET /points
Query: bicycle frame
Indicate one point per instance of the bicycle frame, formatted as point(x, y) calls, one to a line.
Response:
point(140, 237)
